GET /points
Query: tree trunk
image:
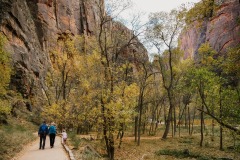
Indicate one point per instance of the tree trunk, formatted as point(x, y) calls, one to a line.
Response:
point(158, 120)
point(136, 128)
point(185, 116)
point(169, 118)
point(179, 119)
point(120, 135)
point(172, 126)
point(193, 120)
point(109, 141)
point(139, 125)
point(165, 115)
point(143, 128)
point(221, 138)
point(189, 121)
point(221, 128)
point(111, 147)
point(151, 127)
point(175, 121)
point(212, 139)
point(202, 123)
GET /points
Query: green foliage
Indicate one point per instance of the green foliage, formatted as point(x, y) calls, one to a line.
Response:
point(206, 55)
point(175, 153)
point(75, 141)
point(231, 110)
point(231, 64)
point(5, 107)
point(203, 9)
point(5, 67)
point(187, 141)
point(5, 70)
point(216, 79)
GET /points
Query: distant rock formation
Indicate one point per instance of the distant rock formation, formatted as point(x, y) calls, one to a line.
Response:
point(221, 31)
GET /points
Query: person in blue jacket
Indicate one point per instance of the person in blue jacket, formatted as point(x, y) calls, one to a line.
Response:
point(42, 133)
point(52, 134)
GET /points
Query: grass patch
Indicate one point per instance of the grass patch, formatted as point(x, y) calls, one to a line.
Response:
point(75, 140)
point(13, 137)
point(187, 141)
point(186, 154)
point(90, 156)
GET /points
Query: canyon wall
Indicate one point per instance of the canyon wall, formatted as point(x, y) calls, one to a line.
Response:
point(32, 27)
point(221, 31)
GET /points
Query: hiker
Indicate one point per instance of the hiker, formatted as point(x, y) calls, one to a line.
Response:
point(64, 137)
point(52, 134)
point(42, 133)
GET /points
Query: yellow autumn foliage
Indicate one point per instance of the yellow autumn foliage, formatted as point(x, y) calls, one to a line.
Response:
point(5, 70)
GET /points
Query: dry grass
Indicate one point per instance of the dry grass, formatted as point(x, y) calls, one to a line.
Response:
point(13, 137)
point(152, 144)
point(148, 147)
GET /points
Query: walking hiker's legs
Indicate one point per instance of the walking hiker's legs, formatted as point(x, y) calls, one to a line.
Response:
point(50, 138)
point(44, 139)
point(54, 135)
point(40, 144)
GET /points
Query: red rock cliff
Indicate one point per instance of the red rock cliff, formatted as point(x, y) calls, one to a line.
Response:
point(221, 31)
point(33, 26)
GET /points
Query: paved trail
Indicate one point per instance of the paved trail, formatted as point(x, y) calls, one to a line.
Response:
point(33, 153)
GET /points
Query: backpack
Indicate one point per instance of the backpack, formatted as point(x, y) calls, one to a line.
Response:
point(52, 129)
point(43, 129)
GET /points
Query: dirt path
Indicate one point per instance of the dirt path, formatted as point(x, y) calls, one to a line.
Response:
point(33, 153)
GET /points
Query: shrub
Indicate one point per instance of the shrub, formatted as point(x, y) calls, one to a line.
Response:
point(75, 141)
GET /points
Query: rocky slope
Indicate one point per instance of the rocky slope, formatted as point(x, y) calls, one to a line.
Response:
point(33, 26)
point(221, 31)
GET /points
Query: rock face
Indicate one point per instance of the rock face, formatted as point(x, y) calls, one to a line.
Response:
point(221, 31)
point(33, 26)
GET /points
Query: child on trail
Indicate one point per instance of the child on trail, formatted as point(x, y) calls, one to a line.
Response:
point(64, 137)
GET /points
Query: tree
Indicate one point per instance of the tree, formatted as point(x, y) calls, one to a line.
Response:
point(217, 92)
point(61, 80)
point(184, 92)
point(114, 43)
point(145, 78)
point(163, 32)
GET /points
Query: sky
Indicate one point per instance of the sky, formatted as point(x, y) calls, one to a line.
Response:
point(145, 7)
point(159, 5)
